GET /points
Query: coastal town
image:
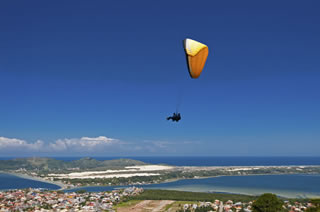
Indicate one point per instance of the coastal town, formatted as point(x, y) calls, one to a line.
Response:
point(231, 206)
point(128, 174)
point(38, 200)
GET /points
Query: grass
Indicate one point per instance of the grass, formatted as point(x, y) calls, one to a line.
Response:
point(127, 204)
point(177, 205)
point(190, 196)
point(168, 206)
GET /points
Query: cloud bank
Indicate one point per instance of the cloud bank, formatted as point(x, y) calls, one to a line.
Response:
point(71, 145)
point(82, 144)
point(14, 143)
point(92, 146)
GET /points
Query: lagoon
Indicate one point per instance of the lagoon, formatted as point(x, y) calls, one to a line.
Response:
point(291, 186)
point(8, 181)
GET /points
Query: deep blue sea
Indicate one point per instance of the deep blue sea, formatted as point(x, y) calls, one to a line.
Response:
point(213, 161)
point(8, 181)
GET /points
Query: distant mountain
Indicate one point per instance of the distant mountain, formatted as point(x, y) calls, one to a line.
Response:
point(44, 164)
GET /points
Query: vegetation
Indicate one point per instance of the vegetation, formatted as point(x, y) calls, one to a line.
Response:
point(267, 203)
point(81, 191)
point(204, 209)
point(190, 196)
point(45, 165)
point(313, 209)
point(316, 204)
point(127, 203)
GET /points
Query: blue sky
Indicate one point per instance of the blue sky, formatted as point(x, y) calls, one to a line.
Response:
point(104, 75)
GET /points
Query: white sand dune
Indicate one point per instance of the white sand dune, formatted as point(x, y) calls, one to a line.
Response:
point(83, 176)
point(150, 167)
point(139, 171)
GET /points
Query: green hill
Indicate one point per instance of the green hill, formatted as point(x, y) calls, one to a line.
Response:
point(49, 164)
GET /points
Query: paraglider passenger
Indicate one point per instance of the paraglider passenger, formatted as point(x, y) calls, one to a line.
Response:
point(176, 117)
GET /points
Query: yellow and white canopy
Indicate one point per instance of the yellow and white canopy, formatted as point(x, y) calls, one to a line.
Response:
point(197, 54)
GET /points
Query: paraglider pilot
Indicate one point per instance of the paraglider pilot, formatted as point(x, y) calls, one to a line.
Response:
point(176, 117)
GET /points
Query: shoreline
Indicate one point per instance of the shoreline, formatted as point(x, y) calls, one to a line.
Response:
point(281, 194)
point(197, 178)
point(64, 187)
point(217, 167)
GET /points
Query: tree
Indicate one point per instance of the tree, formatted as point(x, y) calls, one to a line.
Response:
point(316, 208)
point(315, 202)
point(313, 209)
point(81, 191)
point(267, 203)
point(204, 209)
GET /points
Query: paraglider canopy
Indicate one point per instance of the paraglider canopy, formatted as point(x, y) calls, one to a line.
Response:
point(196, 54)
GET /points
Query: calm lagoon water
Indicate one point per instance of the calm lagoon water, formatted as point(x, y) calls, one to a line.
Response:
point(8, 181)
point(293, 186)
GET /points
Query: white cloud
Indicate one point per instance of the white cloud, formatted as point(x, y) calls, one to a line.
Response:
point(149, 146)
point(99, 138)
point(61, 145)
point(100, 145)
point(82, 144)
point(161, 144)
point(14, 143)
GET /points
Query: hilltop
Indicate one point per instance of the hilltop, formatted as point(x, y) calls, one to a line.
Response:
point(50, 164)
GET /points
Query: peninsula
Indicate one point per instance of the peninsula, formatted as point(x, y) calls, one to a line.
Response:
point(91, 172)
